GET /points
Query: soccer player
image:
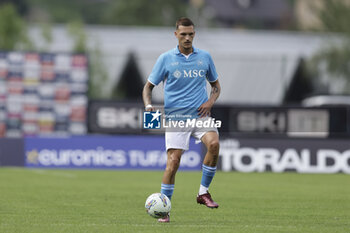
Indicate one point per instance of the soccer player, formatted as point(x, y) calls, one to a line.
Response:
point(185, 71)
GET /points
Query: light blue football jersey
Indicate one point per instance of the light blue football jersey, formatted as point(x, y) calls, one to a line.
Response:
point(185, 80)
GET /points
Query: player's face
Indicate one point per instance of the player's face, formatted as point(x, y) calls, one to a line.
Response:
point(185, 35)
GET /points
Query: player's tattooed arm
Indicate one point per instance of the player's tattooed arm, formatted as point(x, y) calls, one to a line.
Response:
point(204, 109)
point(215, 90)
point(147, 96)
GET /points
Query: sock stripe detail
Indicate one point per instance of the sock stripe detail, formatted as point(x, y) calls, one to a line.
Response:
point(208, 169)
point(167, 189)
point(207, 175)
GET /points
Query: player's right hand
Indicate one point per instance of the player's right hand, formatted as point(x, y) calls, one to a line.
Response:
point(149, 108)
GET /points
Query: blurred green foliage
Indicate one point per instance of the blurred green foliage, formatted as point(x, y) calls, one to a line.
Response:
point(140, 12)
point(97, 71)
point(64, 11)
point(46, 34)
point(122, 12)
point(13, 31)
point(14, 36)
point(98, 75)
point(76, 31)
point(20, 5)
point(334, 18)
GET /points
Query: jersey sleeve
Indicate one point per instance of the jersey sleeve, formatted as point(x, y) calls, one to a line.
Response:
point(158, 72)
point(212, 75)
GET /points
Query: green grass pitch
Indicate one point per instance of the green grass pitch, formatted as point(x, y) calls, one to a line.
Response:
point(49, 201)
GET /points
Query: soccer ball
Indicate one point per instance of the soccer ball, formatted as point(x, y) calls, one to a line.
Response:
point(158, 205)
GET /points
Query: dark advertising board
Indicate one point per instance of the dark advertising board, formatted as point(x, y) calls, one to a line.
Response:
point(285, 122)
point(115, 117)
point(238, 121)
point(11, 152)
point(106, 152)
point(282, 155)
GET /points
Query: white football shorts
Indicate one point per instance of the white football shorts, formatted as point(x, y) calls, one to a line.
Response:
point(179, 137)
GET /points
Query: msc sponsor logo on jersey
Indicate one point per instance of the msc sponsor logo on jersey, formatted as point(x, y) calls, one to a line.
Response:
point(189, 73)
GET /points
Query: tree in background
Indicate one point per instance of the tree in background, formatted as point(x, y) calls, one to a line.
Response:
point(76, 31)
point(334, 17)
point(121, 12)
point(46, 34)
point(140, 12)
point(97, 70)
point(20, 5)
point(59, 11)
point(13, 31)
point(14, 36)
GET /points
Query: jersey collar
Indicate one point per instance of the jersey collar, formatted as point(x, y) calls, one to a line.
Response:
point(177, 51)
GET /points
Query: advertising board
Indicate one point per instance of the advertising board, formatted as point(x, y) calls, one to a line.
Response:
point(237, 121)
point(106, 152)
point(283, 155)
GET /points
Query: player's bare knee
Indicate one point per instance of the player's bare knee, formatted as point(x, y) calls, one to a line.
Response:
point(213, 147)
point(175, 162)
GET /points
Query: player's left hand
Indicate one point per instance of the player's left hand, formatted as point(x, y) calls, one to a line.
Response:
point(204, 109)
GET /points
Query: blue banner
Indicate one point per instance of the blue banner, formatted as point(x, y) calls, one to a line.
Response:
point(106, 152)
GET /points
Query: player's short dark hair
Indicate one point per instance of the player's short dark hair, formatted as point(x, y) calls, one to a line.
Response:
point(184, 22)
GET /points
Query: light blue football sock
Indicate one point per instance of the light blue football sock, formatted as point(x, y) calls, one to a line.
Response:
point(167, 189)
point(207, 175)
